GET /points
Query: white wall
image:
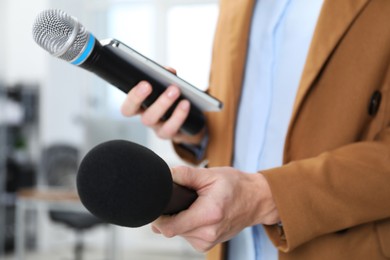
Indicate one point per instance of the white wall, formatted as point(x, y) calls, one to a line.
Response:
point(22, 60)
point(2, 42)
point(3, 7)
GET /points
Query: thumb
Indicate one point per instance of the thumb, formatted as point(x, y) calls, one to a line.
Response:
point(187, 176)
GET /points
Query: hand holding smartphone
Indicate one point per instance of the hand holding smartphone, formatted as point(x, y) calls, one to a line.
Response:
point(133, 67)
point(64, 37)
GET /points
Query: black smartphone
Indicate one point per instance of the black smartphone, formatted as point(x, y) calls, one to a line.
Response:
point(158, 73)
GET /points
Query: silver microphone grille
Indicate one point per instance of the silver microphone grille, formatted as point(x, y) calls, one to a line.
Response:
point(60, 34)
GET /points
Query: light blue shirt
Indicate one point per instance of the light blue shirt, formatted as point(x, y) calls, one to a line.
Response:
point(280, 37)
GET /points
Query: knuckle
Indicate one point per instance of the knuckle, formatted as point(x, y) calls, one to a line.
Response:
point(210, 235)
point(128, 109)
point(147, 120)
point(183, 169)
point(216, 215)
point(166, 133)
point(125, 111)
point(162, 135)
point(202, 248)
point(180, 113)
point(165, 102)
point(168, 233)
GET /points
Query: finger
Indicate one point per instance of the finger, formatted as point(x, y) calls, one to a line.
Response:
point(203, 212)
point(156, 111)
point(202, 239)
point(135, 97)
point(200, 214)
point(171, 70)
point(155, 229)
point(171, 127)
point(199, 244)
point(190, 177)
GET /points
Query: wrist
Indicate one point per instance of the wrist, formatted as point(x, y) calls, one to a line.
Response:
point(267, 211)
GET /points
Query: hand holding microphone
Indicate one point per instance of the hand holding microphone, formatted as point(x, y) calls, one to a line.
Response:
point(127, 184)
point(64, 37)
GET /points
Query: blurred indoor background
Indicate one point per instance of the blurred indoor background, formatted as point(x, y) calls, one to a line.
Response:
point(52, 113)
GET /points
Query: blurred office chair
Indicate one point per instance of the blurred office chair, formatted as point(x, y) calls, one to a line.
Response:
point(59, 166)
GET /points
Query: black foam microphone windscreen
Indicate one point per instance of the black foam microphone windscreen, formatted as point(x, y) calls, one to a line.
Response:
point(127, 184)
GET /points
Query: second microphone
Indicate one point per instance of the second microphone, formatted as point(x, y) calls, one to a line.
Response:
point(64, 37)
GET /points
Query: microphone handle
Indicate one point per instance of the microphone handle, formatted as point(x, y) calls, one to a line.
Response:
point(112, 65)
point(181, 199)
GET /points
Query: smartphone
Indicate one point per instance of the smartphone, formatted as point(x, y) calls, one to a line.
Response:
point(154, 72)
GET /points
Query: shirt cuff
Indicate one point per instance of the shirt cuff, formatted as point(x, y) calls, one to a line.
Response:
point(197, 150)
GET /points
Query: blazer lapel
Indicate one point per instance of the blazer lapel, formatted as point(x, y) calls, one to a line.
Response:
point(335, 19)
point(239, 23)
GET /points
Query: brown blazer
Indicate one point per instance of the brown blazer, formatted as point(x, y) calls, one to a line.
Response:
point(333, 191)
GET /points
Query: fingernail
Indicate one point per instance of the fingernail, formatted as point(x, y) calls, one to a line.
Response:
point(185, 105)
point(172, 92)
point(155, 230)
point(143, 88)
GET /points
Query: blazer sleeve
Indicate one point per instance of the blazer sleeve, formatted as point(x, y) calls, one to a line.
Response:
point(332, 192)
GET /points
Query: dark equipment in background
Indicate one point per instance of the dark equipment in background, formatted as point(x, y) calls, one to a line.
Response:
point(59, 164)
point(18, 168)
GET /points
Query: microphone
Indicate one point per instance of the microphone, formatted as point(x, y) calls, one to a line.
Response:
point(127, 184)
point(64, 37)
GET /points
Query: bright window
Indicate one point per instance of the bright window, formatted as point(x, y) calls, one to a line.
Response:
point(190, 32)
point(177, 33)
point(134, 25)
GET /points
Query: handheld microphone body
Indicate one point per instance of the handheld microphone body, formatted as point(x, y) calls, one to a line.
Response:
point(63, 36)
point(113, 65)
point(127, 184)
